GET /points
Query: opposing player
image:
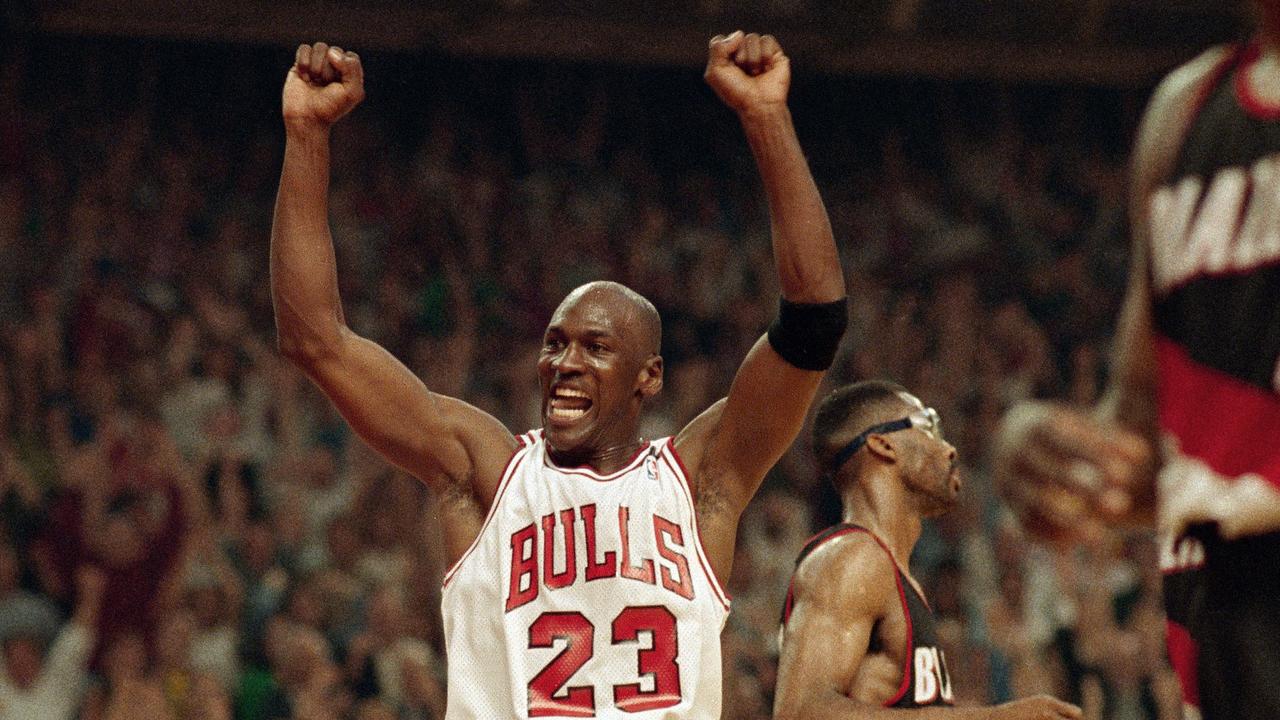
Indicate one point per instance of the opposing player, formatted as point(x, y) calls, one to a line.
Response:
point(858, 638)
point(1189, 431)
point(585, 558)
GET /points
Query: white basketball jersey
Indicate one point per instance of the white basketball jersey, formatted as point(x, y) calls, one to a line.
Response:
point(585, 596)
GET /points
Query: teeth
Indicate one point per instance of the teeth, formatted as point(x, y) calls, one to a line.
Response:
point(570, 392)
point(567, 413)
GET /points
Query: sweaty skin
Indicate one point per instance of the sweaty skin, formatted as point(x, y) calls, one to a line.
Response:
point(598, 345)
point(844, 644)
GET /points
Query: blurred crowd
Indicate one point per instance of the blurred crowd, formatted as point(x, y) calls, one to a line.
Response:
point(188, 530)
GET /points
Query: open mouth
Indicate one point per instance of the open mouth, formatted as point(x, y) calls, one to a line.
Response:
point(567, 404)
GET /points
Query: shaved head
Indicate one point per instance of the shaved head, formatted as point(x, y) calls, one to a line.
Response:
point(633, 313)
point(600, 361)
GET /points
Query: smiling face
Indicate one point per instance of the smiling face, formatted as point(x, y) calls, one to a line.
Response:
point(598, 364)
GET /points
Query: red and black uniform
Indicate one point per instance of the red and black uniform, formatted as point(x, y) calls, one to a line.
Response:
point(1215, 271)
point(925, 679)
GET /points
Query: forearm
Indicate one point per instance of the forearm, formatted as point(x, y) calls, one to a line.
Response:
point(1130, 397)
point(304, 283)
point(803, 246)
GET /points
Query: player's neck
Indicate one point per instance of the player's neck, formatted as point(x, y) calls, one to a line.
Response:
point(885, 510)
point(604, 461)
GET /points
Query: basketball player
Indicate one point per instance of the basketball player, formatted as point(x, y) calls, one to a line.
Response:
point(853, 610)
point(585, 559)
point(1188, 434)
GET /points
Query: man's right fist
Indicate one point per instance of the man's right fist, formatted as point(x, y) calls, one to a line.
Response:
point(324, 84)
point(1067, 475)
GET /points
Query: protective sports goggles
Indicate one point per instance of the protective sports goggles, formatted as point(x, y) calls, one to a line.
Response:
point(926, 420)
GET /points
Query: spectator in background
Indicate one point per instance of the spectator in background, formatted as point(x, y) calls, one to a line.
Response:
point(131, 507)
point(1000, 250)
point(130, 687)
point(44, 675)
point(387, 662)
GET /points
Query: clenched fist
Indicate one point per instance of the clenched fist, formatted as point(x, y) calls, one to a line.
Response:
point(1067, 475)
point(748, 71)
point(324, 84)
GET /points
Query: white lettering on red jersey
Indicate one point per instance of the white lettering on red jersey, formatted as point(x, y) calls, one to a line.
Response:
point(586, 595)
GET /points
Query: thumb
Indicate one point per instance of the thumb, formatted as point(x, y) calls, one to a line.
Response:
point(723, 47)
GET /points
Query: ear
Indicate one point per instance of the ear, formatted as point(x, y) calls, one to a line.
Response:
point(882, 447)
point(649, 381)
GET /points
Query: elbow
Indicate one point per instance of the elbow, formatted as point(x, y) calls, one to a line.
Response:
point(306, 352)
point(822, 283)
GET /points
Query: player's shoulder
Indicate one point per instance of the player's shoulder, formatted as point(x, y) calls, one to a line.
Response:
point(1172, 107)
point(1185, 82)
point(850, 561)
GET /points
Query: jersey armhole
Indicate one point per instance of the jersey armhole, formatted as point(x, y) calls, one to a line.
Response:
point(673, 461)
point(907, 657)
point(523, 448)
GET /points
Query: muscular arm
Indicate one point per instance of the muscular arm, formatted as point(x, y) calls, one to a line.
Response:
point(1129, 400)
point(841, 591)
point(733, 445)
point(438, 439)
point(1063, 470)
point(1130, 397)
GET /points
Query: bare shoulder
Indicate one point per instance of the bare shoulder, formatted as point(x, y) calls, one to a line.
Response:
point(850, 571)
point(1169, 112)
point(487, 444)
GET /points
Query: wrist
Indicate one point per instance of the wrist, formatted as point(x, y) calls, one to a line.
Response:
point(764, 114)
point(306, 130)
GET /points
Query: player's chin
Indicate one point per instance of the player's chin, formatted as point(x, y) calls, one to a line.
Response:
point(566, 435)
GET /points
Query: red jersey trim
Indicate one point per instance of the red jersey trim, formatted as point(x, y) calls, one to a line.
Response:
point(906, 613)
point(1182, 656)
point(513, 464)
point(673, 461)
point(1250, 102)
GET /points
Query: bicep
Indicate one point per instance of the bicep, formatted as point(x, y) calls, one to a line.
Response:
point(821, 652)
point(428, 434)
point(755, 424)
point(1130, 396)
point(839, 593)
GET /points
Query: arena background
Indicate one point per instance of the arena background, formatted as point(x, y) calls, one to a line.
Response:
point(259, 561)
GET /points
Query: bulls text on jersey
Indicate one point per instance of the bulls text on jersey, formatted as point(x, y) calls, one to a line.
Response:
point(532, 571)
point(586, 595)
point(932, 680)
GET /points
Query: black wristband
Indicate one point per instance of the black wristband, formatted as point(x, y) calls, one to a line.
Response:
point(807, 334)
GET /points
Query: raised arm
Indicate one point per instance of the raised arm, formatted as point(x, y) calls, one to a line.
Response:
point(731, 446)
point(441, 440)
point(839, 595)
point(1069, 471)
